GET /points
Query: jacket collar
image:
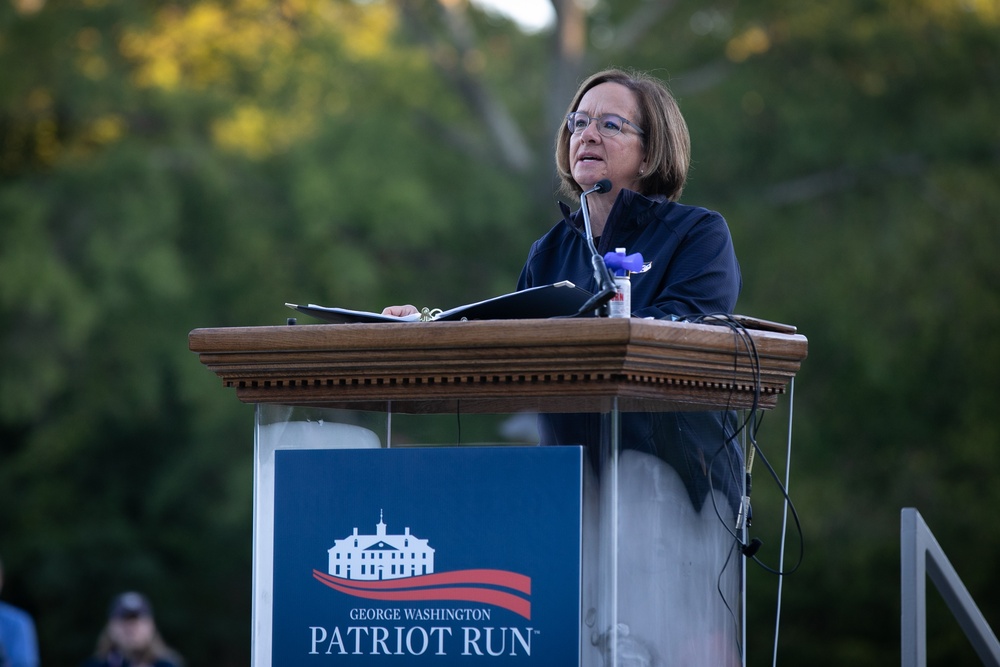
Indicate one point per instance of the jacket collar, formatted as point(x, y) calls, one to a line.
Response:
point(630, 210)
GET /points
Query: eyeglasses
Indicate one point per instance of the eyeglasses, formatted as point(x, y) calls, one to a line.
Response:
point(608, 125)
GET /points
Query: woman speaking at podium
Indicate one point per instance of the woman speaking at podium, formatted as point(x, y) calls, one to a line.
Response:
point(679, 477)
point(627, 128)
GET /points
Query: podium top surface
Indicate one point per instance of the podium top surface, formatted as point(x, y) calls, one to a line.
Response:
point(504, 365)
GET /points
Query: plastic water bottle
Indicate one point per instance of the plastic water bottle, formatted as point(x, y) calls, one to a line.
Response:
point(621, 302)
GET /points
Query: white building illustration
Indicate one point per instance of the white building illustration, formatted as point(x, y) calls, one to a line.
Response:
point(380, 556)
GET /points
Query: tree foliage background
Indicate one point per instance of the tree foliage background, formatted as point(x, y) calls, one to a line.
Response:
point(172, 165)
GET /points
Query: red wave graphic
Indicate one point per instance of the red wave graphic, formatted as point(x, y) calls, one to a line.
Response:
point(463, 585)
point(518, 582)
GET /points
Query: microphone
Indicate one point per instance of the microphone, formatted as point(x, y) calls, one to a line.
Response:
point(602, 274)
point(600, 187)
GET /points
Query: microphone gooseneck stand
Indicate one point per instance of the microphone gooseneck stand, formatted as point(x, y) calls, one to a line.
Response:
point(602, 274)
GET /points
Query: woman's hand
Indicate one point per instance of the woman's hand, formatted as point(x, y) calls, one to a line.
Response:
point(400, 311)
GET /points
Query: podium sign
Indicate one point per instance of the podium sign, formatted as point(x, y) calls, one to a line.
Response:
point(427, 556)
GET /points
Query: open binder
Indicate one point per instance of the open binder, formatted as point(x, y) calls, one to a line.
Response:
point(562, 299)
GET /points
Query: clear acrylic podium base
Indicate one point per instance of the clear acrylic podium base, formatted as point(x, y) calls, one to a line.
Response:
point(661, 574)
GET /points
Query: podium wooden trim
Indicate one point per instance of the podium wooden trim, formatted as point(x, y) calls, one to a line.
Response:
point(504, 365)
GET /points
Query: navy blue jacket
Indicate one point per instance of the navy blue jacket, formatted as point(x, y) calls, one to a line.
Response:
point(692, 265)
point(692, 271)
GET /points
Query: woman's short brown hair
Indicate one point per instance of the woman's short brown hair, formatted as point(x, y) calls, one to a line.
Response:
point(665, 137)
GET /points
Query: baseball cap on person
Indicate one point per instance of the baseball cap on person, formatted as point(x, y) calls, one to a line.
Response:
point(130, 605)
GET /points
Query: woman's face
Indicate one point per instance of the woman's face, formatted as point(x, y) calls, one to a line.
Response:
point(593, 156)
point(132, 633)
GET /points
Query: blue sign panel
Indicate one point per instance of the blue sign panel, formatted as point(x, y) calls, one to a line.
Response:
point(427, 556)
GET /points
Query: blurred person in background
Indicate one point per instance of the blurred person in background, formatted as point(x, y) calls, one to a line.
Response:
point(18, 642)
point(130, 638)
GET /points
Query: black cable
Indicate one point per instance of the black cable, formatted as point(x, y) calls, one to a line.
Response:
point(722, 595)
point(751, 425)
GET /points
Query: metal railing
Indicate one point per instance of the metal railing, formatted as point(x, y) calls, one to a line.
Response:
point(922, 557)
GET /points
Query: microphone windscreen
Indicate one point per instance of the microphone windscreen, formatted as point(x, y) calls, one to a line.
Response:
point(603, 185)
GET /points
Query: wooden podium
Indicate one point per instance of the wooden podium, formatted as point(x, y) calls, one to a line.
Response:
point(660, 574)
